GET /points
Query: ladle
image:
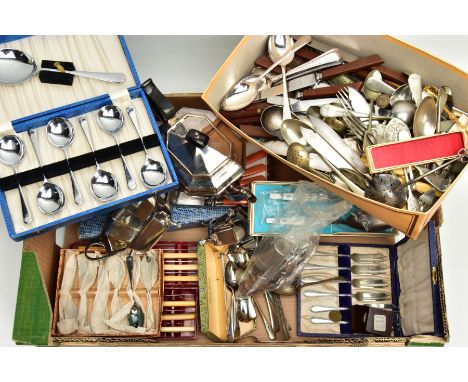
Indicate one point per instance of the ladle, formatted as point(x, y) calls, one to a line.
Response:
point(136, 317)
point(11, 154)
point(17, 67)
point(153, 173)
point(104, 185)
point(60, 133)
point(50, 198)
point(246, 90)
point(110, 119)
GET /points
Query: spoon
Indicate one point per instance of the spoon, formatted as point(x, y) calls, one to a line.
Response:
point(17, 67)
point(11, 154)
point(442, 97)
point(110, 119)
point(136, 317)
point(405, 111)
point(153, 173)
point(278, 45)
point(50, 198)
point(60, 134)
point(104, 185)
point(403, 93)
point(231, 282)
point(425, 119)
point(246, 90)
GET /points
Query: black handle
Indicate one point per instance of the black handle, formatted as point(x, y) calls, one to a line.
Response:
point(197, 138)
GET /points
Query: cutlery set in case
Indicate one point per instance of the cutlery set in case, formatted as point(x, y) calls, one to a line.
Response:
point(152, 280)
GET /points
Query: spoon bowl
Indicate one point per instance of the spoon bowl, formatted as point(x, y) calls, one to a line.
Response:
point(291, 131)
point(103, 185)
point(403, 93)
point(50, 198)
point(404, 110)
point(271, 119)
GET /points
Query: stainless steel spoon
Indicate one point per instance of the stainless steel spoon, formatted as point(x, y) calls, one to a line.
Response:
point(425, 119)
point(50, 198)
point(111, 120)
point(104, 185)
point(11, 154)
point(136, 317)
point(60, 134)
point(17, 67)
point(153, 172)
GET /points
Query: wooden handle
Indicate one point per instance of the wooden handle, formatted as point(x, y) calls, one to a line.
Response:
point(248, 181)
point(170, 255)
point(178, 303)
point(388, 74)
point(180, 278)
point(178, 316)
point(254, 170)
point(181, 267)
point(255, 131)
point(353, 66)
point(329, 91)
point(177, 329)
point(254, 109)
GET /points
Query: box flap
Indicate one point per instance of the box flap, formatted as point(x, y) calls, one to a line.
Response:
point(88, 53)
point(33, 310)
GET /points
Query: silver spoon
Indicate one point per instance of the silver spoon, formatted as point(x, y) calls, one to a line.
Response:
point(17, 67)
point(111, 120)
point(278, 45)
point(152, 173)
point(442, 97)
point(271, 119)
point(50, 198)
point(405, 111)
point(11, 154)
point(230, 280)
point(425, 119)
point(136, 317)
point(104, 185)
point(60, 134)
point(401, 93)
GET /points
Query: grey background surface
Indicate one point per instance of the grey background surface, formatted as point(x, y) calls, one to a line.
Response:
point(186, 64)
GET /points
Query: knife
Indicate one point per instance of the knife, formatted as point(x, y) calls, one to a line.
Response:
point(313, 78)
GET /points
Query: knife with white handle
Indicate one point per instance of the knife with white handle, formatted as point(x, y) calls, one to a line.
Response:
point(320, 308)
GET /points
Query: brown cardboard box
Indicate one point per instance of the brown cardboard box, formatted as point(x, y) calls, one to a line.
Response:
point(398, 56)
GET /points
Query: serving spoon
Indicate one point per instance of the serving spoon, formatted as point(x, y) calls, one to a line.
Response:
point(17, 67)
point(152, 173)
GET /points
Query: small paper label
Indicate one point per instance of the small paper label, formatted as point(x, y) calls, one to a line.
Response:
point(380, 323)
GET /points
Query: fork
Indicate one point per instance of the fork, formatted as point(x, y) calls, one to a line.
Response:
point(355, 124)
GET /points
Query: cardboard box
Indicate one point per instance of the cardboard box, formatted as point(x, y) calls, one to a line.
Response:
point(398, 56)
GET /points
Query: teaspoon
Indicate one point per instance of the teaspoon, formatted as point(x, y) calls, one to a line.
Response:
point(110, 119)
point(60, 134)
point(11, 154)
point(136, 317)
point(153, 173)
point(50, 198)
point(104, 186)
